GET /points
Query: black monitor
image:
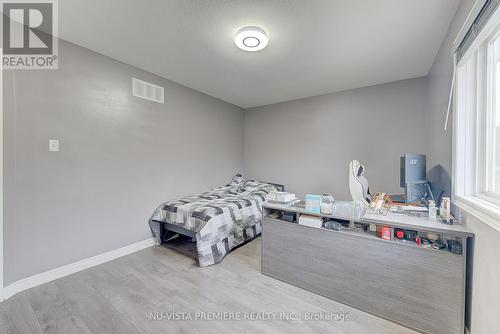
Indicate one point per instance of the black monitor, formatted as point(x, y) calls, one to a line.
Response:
point(413, 177)
point(413, 168)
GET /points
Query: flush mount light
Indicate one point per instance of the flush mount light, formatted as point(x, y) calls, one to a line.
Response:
point(251, 39)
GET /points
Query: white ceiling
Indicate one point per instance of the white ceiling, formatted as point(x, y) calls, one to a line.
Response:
point(315, 47)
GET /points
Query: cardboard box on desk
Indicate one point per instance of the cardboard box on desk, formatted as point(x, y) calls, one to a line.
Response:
point(313, 203)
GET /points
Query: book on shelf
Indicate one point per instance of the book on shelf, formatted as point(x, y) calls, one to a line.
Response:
point(280, 197)
point(286, 204)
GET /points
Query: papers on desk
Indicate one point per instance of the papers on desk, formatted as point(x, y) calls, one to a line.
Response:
point(408, 208)
point(413, 208)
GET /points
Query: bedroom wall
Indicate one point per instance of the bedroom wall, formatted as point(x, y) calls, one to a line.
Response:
point(120, 157)
point(482, 309)
point(307, 144)
point(439, 143)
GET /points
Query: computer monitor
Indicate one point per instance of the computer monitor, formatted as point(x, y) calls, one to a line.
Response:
point(413, 168)
point(413, 177)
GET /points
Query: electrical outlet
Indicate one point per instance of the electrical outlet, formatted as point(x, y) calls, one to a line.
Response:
point(53, 145)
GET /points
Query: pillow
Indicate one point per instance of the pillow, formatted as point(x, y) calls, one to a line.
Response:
point(251, 185)
point(237, 180)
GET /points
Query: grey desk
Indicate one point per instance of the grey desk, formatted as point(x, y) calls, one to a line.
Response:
point(420, 288)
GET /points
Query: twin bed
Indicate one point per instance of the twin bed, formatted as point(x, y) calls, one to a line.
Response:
point(218, 220)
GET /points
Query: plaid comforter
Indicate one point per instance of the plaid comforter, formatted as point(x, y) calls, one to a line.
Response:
point(221, 219)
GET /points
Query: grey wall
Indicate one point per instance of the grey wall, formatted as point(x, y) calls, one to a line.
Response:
point(439, 152)
point(120, 156)
point(482, 314)
point(307, 144)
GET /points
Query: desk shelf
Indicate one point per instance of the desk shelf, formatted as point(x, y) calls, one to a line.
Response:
point(350, 230)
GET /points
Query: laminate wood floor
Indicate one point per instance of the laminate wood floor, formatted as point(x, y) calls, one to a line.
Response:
point(126, 295)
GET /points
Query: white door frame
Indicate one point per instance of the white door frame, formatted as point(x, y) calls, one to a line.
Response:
point(1, 179)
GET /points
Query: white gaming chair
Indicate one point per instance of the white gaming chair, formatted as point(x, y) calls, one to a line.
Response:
point(358, 184)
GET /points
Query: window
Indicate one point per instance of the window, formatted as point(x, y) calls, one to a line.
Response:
point(496, 97)
point(477, 122)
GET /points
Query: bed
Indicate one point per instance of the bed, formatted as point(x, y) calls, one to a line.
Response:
point(218, 220)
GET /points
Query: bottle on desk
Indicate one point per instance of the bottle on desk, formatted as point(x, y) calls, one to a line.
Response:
point(444, 210)
point(327, 201)
point(432, 209)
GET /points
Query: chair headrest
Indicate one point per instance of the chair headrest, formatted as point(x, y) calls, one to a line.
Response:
point(357, 169)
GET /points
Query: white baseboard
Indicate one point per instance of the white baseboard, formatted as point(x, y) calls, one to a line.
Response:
point(51, 275)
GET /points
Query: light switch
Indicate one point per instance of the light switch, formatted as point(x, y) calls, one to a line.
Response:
point(53, 145)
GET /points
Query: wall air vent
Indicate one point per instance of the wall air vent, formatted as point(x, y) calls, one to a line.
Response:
point(147, 91)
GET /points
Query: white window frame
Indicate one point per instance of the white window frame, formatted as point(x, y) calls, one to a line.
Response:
point(474, 128)
point(1, 180)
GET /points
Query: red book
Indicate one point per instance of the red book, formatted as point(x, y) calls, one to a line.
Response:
point(386, 233)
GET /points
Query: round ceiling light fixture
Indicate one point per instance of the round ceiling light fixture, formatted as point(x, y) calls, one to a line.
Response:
point(251, 39)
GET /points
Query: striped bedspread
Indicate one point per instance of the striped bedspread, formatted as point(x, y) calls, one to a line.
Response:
point(221, 219)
